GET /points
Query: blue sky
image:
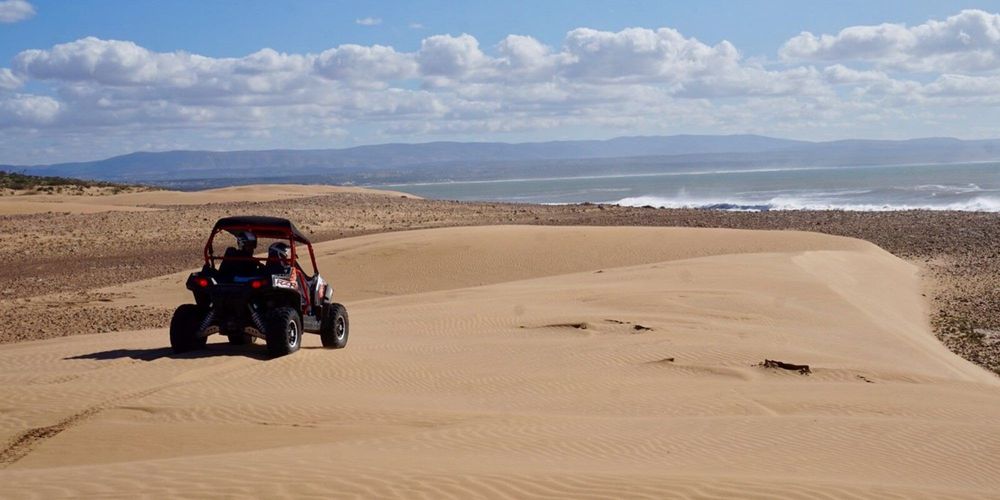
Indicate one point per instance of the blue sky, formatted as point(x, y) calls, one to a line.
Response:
point(238, 27)
point(87, 79)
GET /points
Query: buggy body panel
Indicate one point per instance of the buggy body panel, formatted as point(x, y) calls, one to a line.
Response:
point(239, 295)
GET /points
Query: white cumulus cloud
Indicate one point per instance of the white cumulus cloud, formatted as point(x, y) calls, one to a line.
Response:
point(358, 63)
point(28, 110)
point(8, 80)
point(663, 54)
point(12, 11)
point(368, 21)
point(110, 62)
point(451, 56)
point(523, 57)
point(967, 41)
point(950, 85)
point(117, 64)
point(96, 94)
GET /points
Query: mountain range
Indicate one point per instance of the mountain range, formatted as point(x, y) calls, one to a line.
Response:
point(456, 161)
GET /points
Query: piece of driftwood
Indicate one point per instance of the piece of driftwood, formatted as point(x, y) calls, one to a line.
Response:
point(771, 363)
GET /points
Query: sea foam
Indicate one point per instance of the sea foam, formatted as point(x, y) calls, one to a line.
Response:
point(974, 204)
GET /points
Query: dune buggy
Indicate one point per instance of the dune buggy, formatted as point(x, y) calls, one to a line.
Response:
point(248, 296)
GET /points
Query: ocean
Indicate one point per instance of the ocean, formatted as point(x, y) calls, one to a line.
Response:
point(966, 186)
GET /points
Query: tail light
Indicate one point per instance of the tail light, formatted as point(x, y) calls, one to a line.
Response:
point(255, 284)
point(203, 282)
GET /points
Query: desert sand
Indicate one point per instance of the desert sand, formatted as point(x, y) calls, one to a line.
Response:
point(514, 361)
point(55, 261)
point(144, 200)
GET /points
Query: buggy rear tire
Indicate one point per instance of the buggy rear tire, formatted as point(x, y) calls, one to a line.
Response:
point(284, 331)
point(184, 328)
point(335, 327)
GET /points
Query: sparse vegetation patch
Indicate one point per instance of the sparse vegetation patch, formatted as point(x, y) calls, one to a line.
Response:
point(16, 183)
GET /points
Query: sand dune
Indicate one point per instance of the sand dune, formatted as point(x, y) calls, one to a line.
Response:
point(499, 362)
point(140, 201)
point(426, 260)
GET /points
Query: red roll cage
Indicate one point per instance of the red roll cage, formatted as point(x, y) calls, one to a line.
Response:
point(262, 227)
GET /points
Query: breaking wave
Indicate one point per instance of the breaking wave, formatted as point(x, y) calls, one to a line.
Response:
point(973, 204)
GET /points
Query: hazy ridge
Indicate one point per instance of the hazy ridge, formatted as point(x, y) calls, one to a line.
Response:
point(443, 161)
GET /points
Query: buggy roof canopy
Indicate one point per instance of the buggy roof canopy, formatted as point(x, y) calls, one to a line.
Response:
point(266, 227)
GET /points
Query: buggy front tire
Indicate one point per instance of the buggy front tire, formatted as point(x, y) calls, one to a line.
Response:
point(184, 328)
point(284, 332)
point(335, 327)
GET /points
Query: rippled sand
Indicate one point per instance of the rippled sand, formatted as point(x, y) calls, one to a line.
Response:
point(514, 361)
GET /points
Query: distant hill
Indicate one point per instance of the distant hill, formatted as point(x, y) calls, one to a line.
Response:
point(15, 181)
point(437, 161)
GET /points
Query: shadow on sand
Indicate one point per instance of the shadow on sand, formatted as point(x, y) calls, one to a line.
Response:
point(210, 350)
